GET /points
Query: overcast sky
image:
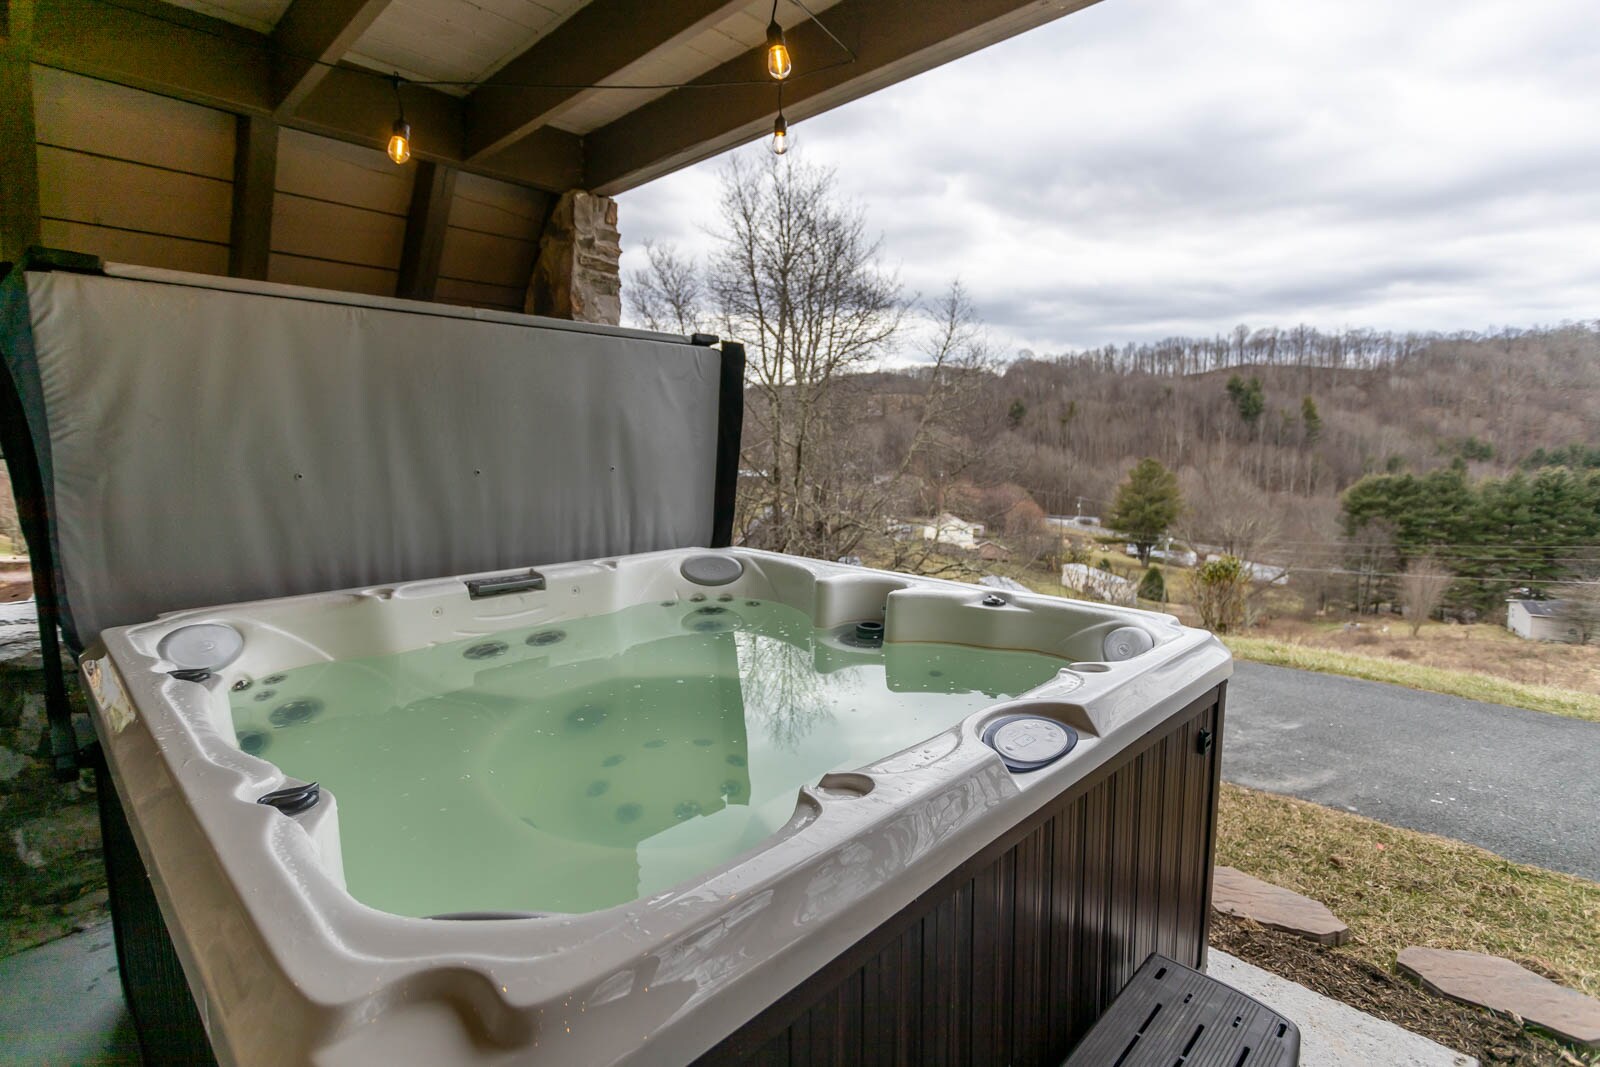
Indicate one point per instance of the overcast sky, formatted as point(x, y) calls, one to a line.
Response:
point(1145, 168)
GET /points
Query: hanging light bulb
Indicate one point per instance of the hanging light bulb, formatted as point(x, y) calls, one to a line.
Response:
point(400, 141)
point(400, 133)
point(778, 62)
point(780, 135)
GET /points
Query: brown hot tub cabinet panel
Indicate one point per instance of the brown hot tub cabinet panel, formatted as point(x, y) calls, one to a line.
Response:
point(1013, 956)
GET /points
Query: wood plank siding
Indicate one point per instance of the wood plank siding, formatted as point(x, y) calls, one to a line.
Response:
point(135, 177)
point(1011, 958)
point(131, 176)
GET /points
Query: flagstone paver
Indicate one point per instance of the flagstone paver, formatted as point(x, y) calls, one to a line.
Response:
point(1236, 893)
point(1493, 982)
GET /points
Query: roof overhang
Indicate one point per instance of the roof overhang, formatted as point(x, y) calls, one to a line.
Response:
point(548, 113)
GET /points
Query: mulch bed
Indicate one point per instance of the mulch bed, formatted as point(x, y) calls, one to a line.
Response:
point(1492, 1038)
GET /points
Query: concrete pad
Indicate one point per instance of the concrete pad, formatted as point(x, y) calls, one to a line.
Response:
point(61, 1003)
point(1333, 1034)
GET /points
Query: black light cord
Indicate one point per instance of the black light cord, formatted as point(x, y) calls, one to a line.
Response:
point(654, 87)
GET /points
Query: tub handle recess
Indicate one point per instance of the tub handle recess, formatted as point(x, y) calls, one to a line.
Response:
point(478, 588)
point(294, 799)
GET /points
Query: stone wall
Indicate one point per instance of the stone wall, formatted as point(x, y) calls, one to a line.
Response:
point(51, 878)
point(577, 275)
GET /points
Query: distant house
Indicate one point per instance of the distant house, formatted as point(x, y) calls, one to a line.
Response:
point(993, 551)
point(1097, 583)
point(949, 529)
point(1540, 620)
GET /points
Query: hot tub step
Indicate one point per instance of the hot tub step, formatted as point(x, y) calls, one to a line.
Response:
point(1171, 1014)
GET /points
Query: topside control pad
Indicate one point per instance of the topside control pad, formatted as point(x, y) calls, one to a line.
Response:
point(1027, 742)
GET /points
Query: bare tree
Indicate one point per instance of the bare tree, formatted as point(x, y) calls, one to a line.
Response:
point(1422, 589)
point(797, 277)
point(1225, 511)
point(667, 294)
point(1580, 608)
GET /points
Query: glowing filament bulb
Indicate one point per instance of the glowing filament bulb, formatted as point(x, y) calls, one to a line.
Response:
point(778, 62)
point(400, 141)
point(780, 135)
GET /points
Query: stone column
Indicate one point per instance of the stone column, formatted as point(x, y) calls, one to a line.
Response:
point(576, 275)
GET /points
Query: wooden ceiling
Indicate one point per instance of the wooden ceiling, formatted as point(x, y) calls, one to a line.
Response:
point(309, 64)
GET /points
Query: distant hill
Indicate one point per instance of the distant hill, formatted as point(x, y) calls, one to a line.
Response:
point(1308, 414)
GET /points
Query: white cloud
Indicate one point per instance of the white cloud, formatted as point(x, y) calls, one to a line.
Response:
point(1142, 168)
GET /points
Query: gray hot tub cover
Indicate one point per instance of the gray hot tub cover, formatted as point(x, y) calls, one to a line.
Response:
point(203, 440)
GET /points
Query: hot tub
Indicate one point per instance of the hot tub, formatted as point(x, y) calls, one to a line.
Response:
point(652, 808)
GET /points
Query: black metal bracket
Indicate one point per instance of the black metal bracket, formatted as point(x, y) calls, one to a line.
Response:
point(1202, 741)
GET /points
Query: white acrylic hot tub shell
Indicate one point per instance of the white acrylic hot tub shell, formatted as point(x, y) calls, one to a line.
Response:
point(286, 966)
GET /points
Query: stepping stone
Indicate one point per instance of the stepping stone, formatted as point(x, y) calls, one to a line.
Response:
point(1492, 982)
point(1236, 893)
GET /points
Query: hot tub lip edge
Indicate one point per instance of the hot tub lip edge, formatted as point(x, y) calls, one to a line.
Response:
point(335, 997)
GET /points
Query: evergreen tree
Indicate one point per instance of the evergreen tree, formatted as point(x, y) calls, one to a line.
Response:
point(1247, 398)
point(1311, 419)
point(1499, 534)
point(1152, 586)
point(1018, 412)
point(1147, 503)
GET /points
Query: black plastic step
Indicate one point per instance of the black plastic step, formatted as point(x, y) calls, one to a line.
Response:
point(1170, 1015)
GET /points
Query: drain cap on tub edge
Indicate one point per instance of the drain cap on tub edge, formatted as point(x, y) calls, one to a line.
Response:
point(711, 569)
point(206, 646)
point(1028, 742)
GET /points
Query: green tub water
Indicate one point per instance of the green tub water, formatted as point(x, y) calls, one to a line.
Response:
point(575, 767)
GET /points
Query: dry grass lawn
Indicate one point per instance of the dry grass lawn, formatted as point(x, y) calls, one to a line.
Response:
point(1485, 648)
point(1472, 685)
point(1397, 887)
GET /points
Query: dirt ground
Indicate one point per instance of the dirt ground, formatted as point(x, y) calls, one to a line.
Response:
point(1483, 648)
point(16, 583)
point(1333, 973)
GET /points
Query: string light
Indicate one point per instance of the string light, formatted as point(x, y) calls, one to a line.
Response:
point(779, 63)
point(780, 129)
point(400, 135)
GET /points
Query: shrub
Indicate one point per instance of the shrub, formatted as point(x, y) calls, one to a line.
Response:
point(1152, 586)
point(1220, 587)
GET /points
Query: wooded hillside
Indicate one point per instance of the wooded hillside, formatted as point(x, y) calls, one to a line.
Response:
point(1268, 429)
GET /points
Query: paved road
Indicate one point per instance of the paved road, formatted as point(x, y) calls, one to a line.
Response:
point(1523, 784)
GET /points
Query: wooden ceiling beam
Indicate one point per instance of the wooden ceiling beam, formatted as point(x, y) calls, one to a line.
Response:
point(188, 56)
point(892, 39)
point(598, 40)
point(255, 181)
point(423, 249)
point(310, 37)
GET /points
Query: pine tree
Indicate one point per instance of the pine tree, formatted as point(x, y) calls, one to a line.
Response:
point(1247, 399)
point(1147, 503)
point(1311, 419)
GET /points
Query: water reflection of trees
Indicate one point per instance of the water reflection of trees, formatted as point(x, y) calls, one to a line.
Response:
point(782, 688)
